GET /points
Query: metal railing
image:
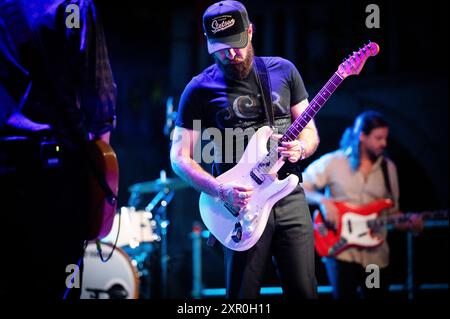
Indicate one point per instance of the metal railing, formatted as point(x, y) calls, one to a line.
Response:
point(199, 235)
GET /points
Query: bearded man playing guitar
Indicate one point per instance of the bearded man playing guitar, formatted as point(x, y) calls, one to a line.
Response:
point(226, 95)
point(356, 174)
point(253, 203)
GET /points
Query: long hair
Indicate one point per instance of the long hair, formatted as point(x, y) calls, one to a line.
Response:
point(364, 123)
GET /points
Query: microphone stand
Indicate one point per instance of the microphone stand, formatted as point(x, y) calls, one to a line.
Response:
point(171, 115)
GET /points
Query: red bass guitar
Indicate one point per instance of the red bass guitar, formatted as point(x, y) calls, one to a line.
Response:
point(357, 226)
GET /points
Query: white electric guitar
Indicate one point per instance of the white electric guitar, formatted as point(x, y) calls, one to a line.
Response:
point(240, 229)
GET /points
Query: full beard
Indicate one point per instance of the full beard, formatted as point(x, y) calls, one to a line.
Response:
point(237, 71)
point(374, 155)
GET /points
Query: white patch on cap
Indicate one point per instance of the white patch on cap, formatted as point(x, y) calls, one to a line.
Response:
point(225, 23)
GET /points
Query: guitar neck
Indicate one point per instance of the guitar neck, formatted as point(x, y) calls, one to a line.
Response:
point(313, 108)
point(381, 221)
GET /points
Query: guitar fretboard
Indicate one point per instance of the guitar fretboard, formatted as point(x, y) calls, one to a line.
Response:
point(313, 108)
point(381, 221)
point(307, 115)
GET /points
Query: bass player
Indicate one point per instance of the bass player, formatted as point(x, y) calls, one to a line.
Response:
point(357, 173)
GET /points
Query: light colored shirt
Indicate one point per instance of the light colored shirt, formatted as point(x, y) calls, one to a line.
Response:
point(332, 172)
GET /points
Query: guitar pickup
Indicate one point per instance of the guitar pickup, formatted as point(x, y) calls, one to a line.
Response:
point(233, 210)
point(259, 179)
point(363, 234)
point(349, 224)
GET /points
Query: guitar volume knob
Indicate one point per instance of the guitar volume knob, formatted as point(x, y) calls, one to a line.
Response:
point(248, 231)
point(248, 217)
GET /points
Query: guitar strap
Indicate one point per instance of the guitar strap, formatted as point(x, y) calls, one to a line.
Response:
point(387, 181)
point(263, 80)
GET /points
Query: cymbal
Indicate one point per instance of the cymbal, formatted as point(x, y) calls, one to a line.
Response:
point(157, 185)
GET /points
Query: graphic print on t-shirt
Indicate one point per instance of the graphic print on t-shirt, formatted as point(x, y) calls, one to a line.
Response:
point(246, 111)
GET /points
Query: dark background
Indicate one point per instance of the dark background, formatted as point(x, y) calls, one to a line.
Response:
point(155, 50)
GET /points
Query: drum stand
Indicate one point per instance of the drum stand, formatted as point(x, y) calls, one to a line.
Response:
point(165, 188)
point(162, 199)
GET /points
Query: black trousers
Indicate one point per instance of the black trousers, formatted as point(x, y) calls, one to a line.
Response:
point(44, 220)
point(288, 238)
point(348, 280)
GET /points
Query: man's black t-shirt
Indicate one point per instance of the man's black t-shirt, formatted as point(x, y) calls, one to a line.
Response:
point(222, 107)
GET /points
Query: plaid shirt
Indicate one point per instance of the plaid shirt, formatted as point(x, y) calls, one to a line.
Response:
point(69, 68)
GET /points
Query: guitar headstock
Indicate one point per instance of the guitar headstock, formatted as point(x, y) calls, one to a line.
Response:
point(355, 62)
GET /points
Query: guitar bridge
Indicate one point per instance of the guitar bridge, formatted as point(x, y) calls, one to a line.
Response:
point(337, 247)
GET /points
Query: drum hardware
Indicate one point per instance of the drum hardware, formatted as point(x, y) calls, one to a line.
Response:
point(165, 188)
point(143, 239)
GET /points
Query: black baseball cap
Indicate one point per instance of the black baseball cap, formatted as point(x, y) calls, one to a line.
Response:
point(225, 24)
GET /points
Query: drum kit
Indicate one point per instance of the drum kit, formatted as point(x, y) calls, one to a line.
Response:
point(138, 268)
